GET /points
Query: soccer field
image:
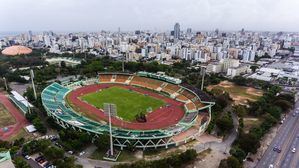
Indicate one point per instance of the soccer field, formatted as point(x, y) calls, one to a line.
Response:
point(128, 103)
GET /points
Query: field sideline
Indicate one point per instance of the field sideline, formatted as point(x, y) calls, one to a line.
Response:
point(129, 103)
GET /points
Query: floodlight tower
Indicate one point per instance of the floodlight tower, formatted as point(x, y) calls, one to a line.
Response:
point(33, 86)
point(110, 110)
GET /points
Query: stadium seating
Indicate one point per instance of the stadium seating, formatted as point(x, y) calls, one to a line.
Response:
point(188, 94)
point(198, 104)
point(170, 88)
point(105, 78)
point(202, 95)
point(121, 78)
point(190, 106)
point(146, 82)
point(182, 98)
point(189, 117)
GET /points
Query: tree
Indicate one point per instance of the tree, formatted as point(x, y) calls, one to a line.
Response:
point(253, 68)
point(230, 162)
point(240, 110)
point(62, 64)
point(239, 80)
point(248, 143)
point(19, 162)
point(74, 140)
point(275, 112)
point(39, 126)
point(238, 153)
point(283, 104)
point(53, 153)
point(225, 123)
point(102, 142)
point(223, 100)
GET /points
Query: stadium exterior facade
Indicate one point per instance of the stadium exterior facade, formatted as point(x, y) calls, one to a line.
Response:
point(197, 108)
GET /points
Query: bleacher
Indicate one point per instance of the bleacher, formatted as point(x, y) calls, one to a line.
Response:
point(20, 101)
point(105, 78)
point(190, 106)
point(202, 95)
point(188, 94)
point(182, 98)
point(198, 104)
point(170, 88)
point(137, 81)
point(20, 105)
point(121, 78)
point(152, 83)
point(189, 117)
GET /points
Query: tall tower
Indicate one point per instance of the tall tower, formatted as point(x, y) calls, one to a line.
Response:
point(176, 31)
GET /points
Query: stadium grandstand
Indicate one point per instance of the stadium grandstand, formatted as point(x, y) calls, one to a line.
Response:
point(166, 126)
point(20, 102)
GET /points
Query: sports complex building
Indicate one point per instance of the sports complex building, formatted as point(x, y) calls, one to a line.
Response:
point(175, 113)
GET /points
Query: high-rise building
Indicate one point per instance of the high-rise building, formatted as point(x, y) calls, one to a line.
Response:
point(176, 31)
point(30, 35)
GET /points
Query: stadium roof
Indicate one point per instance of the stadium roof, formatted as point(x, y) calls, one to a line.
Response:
point(21, 99)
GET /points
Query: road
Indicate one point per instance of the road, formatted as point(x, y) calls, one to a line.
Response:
point(225, 145)
point(286, 139)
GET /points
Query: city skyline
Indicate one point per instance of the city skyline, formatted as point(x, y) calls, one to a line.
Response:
point(152, 15)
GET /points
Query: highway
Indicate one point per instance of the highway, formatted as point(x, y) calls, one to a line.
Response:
point(286, 139)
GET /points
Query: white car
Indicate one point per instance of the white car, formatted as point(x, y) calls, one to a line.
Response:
point(27, 157)
point(271, 166)
point(81, 153)
point(293, 150)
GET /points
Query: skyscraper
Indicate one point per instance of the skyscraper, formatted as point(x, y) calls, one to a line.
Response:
point(189, 31)
point(177, 31)
point(30, 35)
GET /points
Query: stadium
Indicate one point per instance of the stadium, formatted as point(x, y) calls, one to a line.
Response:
point(171, 113)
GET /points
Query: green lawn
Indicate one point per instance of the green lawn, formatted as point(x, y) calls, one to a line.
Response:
point(128, 103)
point(6, 118)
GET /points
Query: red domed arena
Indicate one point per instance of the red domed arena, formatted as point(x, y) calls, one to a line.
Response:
point(16, 50)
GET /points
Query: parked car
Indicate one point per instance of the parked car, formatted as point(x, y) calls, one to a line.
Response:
point(81, 153)
point(27, 157)
point(70, 152)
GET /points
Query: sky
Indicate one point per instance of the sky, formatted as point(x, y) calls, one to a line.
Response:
point(155, 15)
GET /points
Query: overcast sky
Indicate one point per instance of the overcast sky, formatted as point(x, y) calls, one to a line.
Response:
point(160, 15)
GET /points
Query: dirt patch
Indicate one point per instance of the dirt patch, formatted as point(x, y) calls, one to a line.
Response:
point(254, 91)
point(240, 94)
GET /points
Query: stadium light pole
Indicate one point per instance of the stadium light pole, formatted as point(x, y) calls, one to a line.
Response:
point(33, 86)
point(108, 109)
point(110, 130)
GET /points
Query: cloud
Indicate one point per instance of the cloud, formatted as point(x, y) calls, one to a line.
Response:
point(93, 15)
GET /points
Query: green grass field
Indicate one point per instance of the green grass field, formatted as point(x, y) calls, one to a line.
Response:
point(6, 118)
point(128, 103)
